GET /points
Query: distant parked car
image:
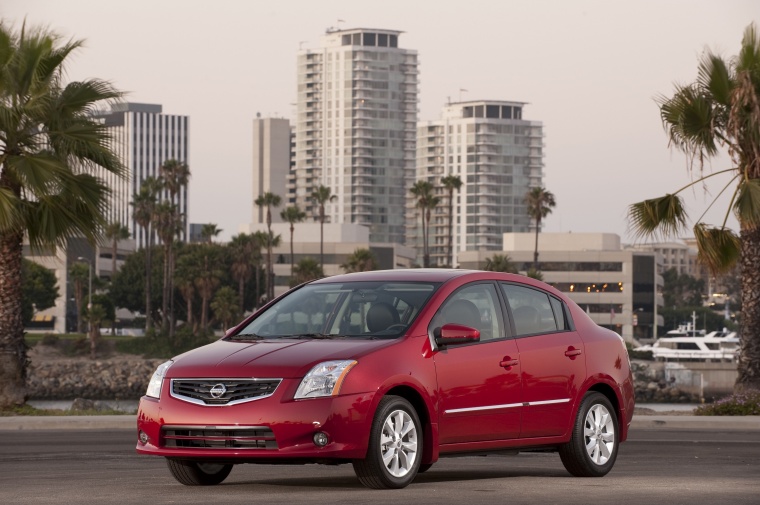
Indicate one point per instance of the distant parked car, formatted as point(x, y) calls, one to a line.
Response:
point(389, 371)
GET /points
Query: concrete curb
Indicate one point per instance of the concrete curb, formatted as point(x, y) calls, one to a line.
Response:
point(128, 422)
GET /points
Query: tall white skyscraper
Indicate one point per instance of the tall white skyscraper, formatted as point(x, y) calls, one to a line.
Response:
point(271, 163)
point(356, 129)
point(144, 138)
point(498, 156)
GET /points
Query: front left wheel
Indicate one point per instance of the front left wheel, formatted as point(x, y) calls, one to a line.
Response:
point(395, 446)
point(193, 473)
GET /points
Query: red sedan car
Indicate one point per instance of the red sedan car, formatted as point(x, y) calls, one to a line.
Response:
point(390, 371)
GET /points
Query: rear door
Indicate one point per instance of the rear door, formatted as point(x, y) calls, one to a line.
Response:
point(553, 365)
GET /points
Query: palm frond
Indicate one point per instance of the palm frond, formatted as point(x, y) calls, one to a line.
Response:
point(715, 79)
point(718, 248)
point(689, 121)
point(10, 218)
point(663, 216)
point(747, 205)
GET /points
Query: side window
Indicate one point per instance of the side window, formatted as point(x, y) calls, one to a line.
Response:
point(476, 306)
point(532, 310)
point(559, 313)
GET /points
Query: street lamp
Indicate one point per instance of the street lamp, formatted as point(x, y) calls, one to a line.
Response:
point(89, 292)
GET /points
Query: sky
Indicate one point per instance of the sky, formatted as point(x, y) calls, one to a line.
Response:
point(589, 70)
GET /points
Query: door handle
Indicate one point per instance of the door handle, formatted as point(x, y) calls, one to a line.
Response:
point(508, 362)
point(572, 352)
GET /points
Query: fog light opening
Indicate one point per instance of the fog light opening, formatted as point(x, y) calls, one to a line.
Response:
point(143, 437)
point(321, 439)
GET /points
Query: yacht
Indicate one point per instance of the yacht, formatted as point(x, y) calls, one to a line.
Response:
point(695, 346)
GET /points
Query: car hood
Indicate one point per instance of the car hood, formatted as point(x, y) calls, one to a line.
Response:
point(269, 358)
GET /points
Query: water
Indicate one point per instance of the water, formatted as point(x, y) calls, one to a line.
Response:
point(126, 406)
point(665, 407)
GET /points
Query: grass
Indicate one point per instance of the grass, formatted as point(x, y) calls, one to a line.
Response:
point(28, 410)
point(737, 404)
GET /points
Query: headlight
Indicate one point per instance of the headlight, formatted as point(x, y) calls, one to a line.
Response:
point(154, 386)
point(324, 379)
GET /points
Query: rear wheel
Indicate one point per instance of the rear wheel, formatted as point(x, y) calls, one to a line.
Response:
point(593, 445)
point(193, 473)
point(395, 446)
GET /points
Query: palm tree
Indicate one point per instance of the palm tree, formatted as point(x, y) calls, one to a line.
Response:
point(292, 215)
point(174, 175)
point(185, 275)
point(79, 274)
point(207, 280)
point(167, 228)
point(115, 232)
point(243, 256)
point(95, 315)
point(451, 183)
point(143, 212)
point(426, 202)
point(540, 203)
point(269, 200)
point(721, 109)
point(306, 270)
point(225, 306)
point(361, 260)
point(50, 146)
point(209, 231)
point(260, 239)
point(500, 263)
point(321, 196)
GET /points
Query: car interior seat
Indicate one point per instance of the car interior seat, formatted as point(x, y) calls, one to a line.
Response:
point(526, 320)
point(463, 312)
point(381, 316)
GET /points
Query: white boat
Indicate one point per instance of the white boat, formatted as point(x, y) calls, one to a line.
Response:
point(714, 346)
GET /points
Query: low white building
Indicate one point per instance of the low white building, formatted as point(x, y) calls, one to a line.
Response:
point(340, 241)
point(619, 288)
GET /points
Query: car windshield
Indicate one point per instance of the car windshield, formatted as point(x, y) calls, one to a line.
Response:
point(341, 310)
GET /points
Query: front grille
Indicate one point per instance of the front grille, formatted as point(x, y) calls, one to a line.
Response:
point(218, 437)
point(221, 392)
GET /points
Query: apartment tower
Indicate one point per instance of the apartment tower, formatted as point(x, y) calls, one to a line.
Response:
point(144, 138)
point(271, 163)
point(355, 129)
point(498, 156)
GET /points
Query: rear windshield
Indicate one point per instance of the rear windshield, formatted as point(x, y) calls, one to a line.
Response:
point(353, 309)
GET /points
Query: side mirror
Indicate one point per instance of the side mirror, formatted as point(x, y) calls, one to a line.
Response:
point(455, 334)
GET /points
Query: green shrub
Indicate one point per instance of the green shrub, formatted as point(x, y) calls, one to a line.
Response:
point(155, 345)
point(642, 355)
point(738, 404)
point(50, 339)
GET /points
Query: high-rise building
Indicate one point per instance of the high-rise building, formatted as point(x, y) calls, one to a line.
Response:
point(355, 129)
point(271, 163)
point(497, 155)
point(144, 138)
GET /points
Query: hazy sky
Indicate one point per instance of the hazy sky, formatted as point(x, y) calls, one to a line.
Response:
point(589, 70)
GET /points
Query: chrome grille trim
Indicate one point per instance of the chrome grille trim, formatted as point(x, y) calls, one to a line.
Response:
point(237, 390)
point(218, 437)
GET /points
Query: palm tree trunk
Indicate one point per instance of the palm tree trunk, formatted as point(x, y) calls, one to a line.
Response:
point(322, 237)
point(172, 319)
point(13, 360)
point(114, 247)
point(78, 300)
point(535, 249)
point(749, 357)
point(292, 229)
point(270, 269)
point(241, 294)
point(451, 226)
point(165, 293)
point(425, 231)
point(148, 277)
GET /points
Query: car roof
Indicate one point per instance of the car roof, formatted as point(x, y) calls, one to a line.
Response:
point(411, 274)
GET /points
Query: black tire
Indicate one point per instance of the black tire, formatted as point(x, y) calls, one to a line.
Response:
point(396, 433)
point(592, 453)
point(192, 473)
point(424, 468)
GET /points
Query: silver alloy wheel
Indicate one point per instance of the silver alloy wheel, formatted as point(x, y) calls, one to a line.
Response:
point(599, 434)
point(398, 443)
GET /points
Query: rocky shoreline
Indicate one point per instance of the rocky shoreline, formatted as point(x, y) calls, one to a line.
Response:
point(55, 377)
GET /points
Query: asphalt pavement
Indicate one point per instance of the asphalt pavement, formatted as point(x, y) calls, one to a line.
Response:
point(117, 422)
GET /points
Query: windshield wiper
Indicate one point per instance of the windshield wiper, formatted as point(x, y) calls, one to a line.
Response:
point(316, 336)
point(245, 336)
